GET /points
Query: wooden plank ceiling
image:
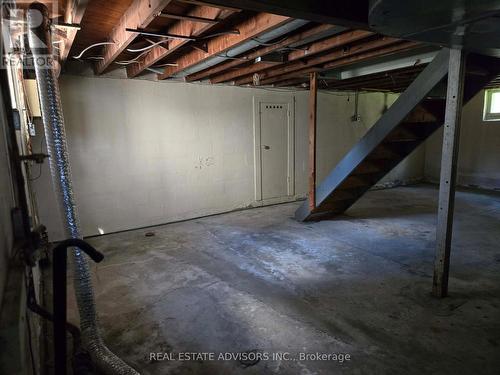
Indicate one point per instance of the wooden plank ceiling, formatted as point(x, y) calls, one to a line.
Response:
point(174, 38)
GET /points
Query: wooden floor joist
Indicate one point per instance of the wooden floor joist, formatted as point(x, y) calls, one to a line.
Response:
point(282, 80)
point(249, 28)
point(183, 27)
point(267, 77)
point(73, 15)
point(245, 58)
point(138, 16)
point(352, 14)
point(305, 51)
point(220, 6)
point(286, 60)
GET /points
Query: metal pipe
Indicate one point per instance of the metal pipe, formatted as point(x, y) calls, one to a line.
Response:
point(188, 18)
point(244, 47)
point(45, 69)
point(60, 256)
point(159, 35)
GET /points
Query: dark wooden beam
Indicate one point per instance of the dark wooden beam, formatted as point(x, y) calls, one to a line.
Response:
point(75, 9)
point(138, 16)
point(313, 103)
point(249, 28)
point(352, 13)
point(182, 27)
point(294, 82)
point(307, 50)
point(231, 64)
point(220, 6)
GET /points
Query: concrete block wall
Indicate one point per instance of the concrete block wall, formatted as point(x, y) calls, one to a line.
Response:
point(146, 153)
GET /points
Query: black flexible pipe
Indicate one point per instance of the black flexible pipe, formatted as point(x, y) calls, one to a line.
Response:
point(82, 363)
point(39, 310)
point(59, 273)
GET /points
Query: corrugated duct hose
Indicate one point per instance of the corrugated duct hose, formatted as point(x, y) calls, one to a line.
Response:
point(40, 44)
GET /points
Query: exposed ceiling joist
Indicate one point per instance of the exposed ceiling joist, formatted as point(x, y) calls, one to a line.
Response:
point(270, 49)
point(351, 13)
point(391, 80)
point(346, 61)
point(232, 64)
point(343, 51)
point(293, 76)
point(249, 28)
point(294, 81)
point(182, 27)
point(226, 6)
point(312, 49)
point(138, 16)
point(372, 54)
point(73, 15)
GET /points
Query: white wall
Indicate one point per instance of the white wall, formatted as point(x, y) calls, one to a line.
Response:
point(479, 153)
point(146, 153)
point(337, 134)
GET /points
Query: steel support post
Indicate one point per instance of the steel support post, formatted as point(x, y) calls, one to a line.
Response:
point(449, 159)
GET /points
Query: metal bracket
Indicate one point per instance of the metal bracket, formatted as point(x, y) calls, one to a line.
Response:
point(37, 158)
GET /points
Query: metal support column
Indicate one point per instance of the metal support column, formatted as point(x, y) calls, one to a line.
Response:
point(449, 159)
point(313, 104)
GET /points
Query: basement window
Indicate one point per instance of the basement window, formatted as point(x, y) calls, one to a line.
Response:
point(492, 105)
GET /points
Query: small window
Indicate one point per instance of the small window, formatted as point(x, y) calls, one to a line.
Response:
point(492, 105)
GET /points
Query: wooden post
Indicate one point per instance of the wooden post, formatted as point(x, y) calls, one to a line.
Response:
point(449, 158)
point(313, 103)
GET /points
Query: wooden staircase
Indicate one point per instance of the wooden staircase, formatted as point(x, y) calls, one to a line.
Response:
point(406, 125)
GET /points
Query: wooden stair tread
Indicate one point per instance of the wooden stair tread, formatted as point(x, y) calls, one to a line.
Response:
point(393, 140)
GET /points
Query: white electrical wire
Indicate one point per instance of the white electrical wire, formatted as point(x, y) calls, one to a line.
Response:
point(126, 62)
point(131, 61)
point(165, 64)
point(153, 44)
point(79, 56)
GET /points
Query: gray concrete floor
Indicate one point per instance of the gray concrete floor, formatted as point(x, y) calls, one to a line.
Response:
point(359, 284)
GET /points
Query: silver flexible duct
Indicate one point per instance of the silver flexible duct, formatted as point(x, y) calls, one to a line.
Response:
point(39, 41)
point(243, 47)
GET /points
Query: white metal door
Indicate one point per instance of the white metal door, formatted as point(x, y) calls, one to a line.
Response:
point(274, 149)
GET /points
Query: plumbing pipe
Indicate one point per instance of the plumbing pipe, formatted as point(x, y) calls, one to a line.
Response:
point(60, 256)
point(243, 47)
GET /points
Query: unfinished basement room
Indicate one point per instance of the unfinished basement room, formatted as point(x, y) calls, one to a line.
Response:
point(250, 187)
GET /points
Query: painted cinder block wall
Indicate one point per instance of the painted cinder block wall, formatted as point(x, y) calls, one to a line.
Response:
point(479, 150)
point(146, 153)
